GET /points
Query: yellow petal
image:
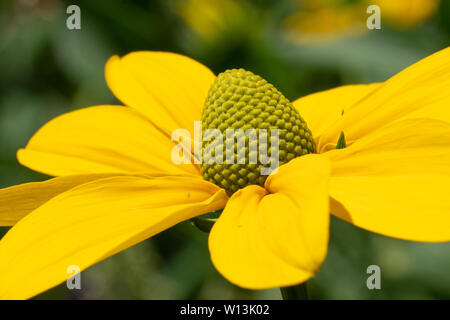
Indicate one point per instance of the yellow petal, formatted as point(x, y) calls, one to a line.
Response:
point(168, 88)
point(420, 91)
point(406, 14)
point(276, 236)
point(92, 222)
point(101, 139)
point(321, 110)
point(18, 201)
point(396, 181)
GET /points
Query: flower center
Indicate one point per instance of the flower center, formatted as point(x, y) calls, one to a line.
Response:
point(239, 105)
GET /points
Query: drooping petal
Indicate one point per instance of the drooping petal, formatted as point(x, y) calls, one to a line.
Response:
point(396, 181)
point(17, 201)
point(420, 91)
point(276, 236)
point(168, 88)
point(406, 14)
point(92, 222)
point(101, 139)
point(322, 109)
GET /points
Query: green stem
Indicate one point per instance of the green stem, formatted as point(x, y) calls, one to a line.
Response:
point(205, 222)
point(295, 292)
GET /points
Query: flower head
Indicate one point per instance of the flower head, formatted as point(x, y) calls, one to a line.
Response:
point(116, 185)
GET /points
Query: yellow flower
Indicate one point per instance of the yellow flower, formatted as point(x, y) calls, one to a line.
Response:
point(212, 19)
point(116, 184)
point(406, 14)
point(328, 20)
point(325, 20)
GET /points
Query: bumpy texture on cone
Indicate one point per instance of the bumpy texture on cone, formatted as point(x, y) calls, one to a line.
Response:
point(239, 99)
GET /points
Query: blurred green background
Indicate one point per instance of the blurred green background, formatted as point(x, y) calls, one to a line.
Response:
point(299, 46)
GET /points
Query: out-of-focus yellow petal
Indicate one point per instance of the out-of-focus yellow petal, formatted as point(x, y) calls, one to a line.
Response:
point(276, 236)
point(92, 222)
point(168, 88)
point(325, 22)
point(18, 201)
point(214, 20)
point(396, 181)
point(101, 139)
point(406, 13)
point(321, 110)
point(420, 91)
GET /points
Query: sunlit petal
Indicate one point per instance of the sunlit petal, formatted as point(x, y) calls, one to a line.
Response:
point(420, 91)
point(396, 181)
point(276, 236)
point(18, 201)
point(168, 88)
point(101, 139)
point(321, 110)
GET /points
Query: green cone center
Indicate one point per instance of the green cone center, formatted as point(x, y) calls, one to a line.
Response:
point(239, 99)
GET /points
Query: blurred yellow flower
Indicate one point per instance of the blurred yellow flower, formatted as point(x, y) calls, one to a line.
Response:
point(116, 185)
point(328, 20)
point(406, 13)
point(211, 20)
point(322, 20)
